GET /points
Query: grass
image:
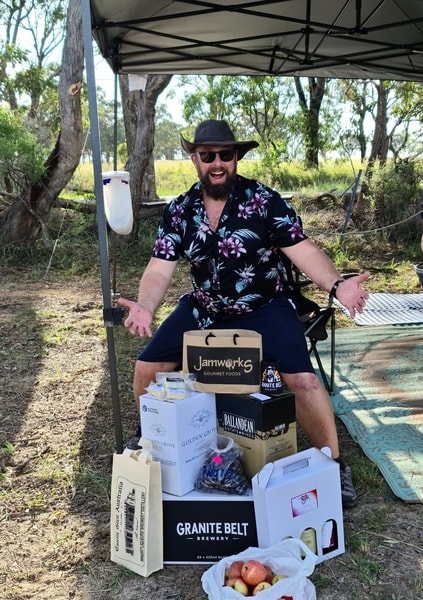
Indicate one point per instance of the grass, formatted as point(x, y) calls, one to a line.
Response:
point(87, 476)
point(76, 254)
point(174, 176)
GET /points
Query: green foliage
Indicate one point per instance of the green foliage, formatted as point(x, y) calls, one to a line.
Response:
point(174, 176)
point(395, 195)
point(6, 451)
point(332, 175)
point(21, 157)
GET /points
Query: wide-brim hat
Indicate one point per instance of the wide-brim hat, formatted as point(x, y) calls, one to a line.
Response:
point(216, 133)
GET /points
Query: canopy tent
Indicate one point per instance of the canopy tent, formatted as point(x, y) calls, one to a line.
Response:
point(365, 39)
point(380, 39)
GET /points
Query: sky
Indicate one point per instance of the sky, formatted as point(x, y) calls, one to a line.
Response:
point(105, 78)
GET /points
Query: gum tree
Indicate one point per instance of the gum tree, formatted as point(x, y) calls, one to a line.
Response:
point(27, 213)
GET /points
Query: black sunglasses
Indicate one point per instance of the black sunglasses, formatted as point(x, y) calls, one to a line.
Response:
point(208, 156)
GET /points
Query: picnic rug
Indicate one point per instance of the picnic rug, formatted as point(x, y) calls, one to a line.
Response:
point(379, 397)
point(390, 309)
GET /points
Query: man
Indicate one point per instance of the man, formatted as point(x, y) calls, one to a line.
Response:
point(234, 233)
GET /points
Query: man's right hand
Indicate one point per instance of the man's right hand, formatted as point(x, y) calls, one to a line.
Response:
point(139, 319)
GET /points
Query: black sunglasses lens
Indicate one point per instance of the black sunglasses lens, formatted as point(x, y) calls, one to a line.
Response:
point(226, 155)
point(209, 156)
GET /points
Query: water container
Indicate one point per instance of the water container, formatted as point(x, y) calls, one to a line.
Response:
point(117, 201)
point(419, 272)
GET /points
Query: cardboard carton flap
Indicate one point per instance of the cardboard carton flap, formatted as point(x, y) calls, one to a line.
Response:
point(263, 476)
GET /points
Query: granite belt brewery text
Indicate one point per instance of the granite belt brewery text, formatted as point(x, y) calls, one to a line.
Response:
point(212, 531)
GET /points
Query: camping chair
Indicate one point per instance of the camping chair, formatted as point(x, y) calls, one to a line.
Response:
point(315, 320)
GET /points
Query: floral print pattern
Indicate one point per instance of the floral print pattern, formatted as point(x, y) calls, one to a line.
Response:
point(238, 267)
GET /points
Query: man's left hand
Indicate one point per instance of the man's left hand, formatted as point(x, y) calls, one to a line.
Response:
point(352, 295)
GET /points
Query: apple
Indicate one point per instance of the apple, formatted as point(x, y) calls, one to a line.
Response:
point(253, 572)
point(263, 585)
point(238, 584)
point(277, 578)
point(269, 574)
point(234, 569)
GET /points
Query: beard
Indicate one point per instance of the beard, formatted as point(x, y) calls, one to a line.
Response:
point(217, 191)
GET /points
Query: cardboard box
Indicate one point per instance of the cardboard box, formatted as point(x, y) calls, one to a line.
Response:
point(205, 527)
point(300, 496)
point(263, 426)
point(181, 431)
point(223, 360)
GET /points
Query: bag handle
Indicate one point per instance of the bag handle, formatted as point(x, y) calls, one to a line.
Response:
point(143, 455)
point(289, 464)
point(211, 335)
point(308, 560)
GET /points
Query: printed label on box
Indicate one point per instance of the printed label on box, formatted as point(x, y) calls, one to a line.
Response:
point(206, 530)
point(304, 503)
point(239, 425)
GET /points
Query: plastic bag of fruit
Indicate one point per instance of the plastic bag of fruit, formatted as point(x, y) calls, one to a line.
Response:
point(275, 573)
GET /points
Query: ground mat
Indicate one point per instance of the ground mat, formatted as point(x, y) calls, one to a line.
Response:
point(379, 397)
point(390, 309)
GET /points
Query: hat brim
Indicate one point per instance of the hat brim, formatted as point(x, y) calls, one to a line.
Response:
point(242, 147)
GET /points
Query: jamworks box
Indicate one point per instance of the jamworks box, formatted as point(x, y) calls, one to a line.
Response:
point(263, 426)
point(300, 496)
point(223, 360)
point(205, 527)
point(181, 431)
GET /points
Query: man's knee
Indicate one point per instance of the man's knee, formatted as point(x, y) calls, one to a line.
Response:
point(302, 381)
point(145, 372)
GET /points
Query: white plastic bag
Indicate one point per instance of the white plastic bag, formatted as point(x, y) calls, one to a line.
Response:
point(284, 557)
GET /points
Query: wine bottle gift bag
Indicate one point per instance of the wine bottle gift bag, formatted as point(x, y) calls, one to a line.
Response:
point(136, 515)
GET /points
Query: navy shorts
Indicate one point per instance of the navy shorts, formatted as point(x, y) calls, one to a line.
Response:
point(281, 330)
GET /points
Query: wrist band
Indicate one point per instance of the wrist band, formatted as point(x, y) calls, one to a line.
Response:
point(332, 293)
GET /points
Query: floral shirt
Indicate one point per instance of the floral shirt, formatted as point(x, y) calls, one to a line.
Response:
point(239, 267)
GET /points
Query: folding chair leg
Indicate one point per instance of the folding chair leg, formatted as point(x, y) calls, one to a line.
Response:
point(329, 383)
point(332, 352)
point(326, 383)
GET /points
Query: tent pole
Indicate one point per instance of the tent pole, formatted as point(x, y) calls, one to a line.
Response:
point(111, 316)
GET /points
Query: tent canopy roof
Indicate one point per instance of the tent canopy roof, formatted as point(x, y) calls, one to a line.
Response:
point(366, 39)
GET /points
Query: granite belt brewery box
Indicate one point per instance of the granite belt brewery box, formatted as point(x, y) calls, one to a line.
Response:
point(300, 496)
point(263, 426)
point(181, 431)
point(223, 360)
point(205, 527)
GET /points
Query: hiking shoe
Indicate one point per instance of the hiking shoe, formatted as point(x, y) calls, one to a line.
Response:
point(132, 443)
point(349, 495)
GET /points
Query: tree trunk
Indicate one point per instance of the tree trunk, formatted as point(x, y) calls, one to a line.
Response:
point(311, 113)
point(380, 143)
point(29, 214)
point(139, 109)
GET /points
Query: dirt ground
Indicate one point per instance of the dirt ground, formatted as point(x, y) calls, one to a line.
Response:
point(57, 439)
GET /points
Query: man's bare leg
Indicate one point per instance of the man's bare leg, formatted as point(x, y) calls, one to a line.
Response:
point(314, 410)
point(145, 373)
point(315, 415)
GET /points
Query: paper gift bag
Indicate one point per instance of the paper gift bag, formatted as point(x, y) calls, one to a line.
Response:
point(136, 518)
point(223, 360)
